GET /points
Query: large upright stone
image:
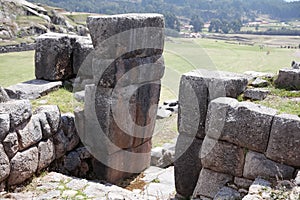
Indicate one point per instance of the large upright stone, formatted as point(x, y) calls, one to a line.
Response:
point(82, 55)
point(288, 79)
point(18, 110)
point(284, 141)
point(53, 57)
point(136, 35)
point(245, 124)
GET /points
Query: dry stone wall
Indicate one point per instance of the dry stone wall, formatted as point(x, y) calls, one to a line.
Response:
point(241, 141)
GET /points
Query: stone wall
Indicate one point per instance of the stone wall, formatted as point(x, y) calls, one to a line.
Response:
point(235, 143)
point(32, 141)
point(17, 48)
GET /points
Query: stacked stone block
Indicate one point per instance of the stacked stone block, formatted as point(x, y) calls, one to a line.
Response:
point(197, 89)
point(120, 108)
point(288, 79)
point(59, 56)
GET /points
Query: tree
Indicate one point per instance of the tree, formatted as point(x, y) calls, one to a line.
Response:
point(215, 25)
point(172, 21)
point(236, 26)
point(197, 23)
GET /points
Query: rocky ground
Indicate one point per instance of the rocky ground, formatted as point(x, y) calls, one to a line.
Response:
point(156, 184)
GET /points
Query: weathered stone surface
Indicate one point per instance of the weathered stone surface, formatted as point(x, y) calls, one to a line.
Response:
point(156, 155)
point(4, 125)
point(46, 153)
point(245, 124)
point(53, 116)
point(258, 82)
point(222, 157)
point(210, 182)
point(72, 161)
point(19, 111)
point(123, 163)
point(83, 153)
point(284, 141)
point(187, 164)
point(25, 162)
point(297, 179)
point(3, 95)
point(254, 74)
point(46, 129)
point(4, 164)
point(256, 94)
point(227, 193)
point(69, 129)
point(193, 98)
point(53, 57)
point(259, 185)
point(242, 182)
point(31, 133)
point(34, 89)
point(257, 165)
point(82, 55)
point(288, 79)
point(140, 34)
point(11, 144)
point(60, 143)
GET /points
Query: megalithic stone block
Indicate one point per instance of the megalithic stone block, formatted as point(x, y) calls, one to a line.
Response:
point(120, 107)
point(136, 35)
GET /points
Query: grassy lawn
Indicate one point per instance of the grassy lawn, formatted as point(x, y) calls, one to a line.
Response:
point(16, 67)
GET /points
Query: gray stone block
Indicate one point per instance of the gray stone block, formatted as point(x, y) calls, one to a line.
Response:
point(53, 57)
point(284, 140)
point(72, 161)
point(4, 125)
point(11, 144)
point(245, 124)
point(257, 165)
point(82, 56)
point(4, 164)
point(288, 79)
point(256, 94)
point(25, 162)
point(222, 157)
point(258, 82)
point(187, 164)
point(136, 35)
point(46, 154)
point(3, 95)
point(31, 133)
point(227, 193)
point(33, 89)
point(210, 182)
point(60, 143)
point(242, 182)
point(69, 129)
point(53, 116)
point(18, 110)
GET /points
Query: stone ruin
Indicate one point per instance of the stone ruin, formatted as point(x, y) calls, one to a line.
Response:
point(289, 78)
point(223, 142)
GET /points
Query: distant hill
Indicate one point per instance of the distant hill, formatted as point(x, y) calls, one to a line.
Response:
point(206, 9)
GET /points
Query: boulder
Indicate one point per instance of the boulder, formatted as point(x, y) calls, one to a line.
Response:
point(258, 82)
point(257, 165)
point(25, 162)
point(4, 164)
point(295, 65)
point(72, 161)
point(4, 125)
point(256, 94)
point(3, 95)
point(137, 35)
point(284, 140)
point(222, 157)
point(19, 111)
point(240, 122)
point(11, 144)
point(187, 164)
point(82, 55)
point(60, 143)
point(46, 154)
point(69, 129)
point(210, 183)
point(53, 57)
point(31, 133)
point(53, 116)
point(288, 79)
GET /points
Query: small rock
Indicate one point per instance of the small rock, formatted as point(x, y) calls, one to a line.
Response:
point(156, 154)
point(256, 94)
point(258, 82)
point(4, 164)
point(79, 96)
point(11, 144)
point(163, 113)
point(3, 95)
point(297, 179)
point(83, 153)
point(227, 193)
point(72, 161)
point(259, 185)
point(242, 182)
point(4, 125)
